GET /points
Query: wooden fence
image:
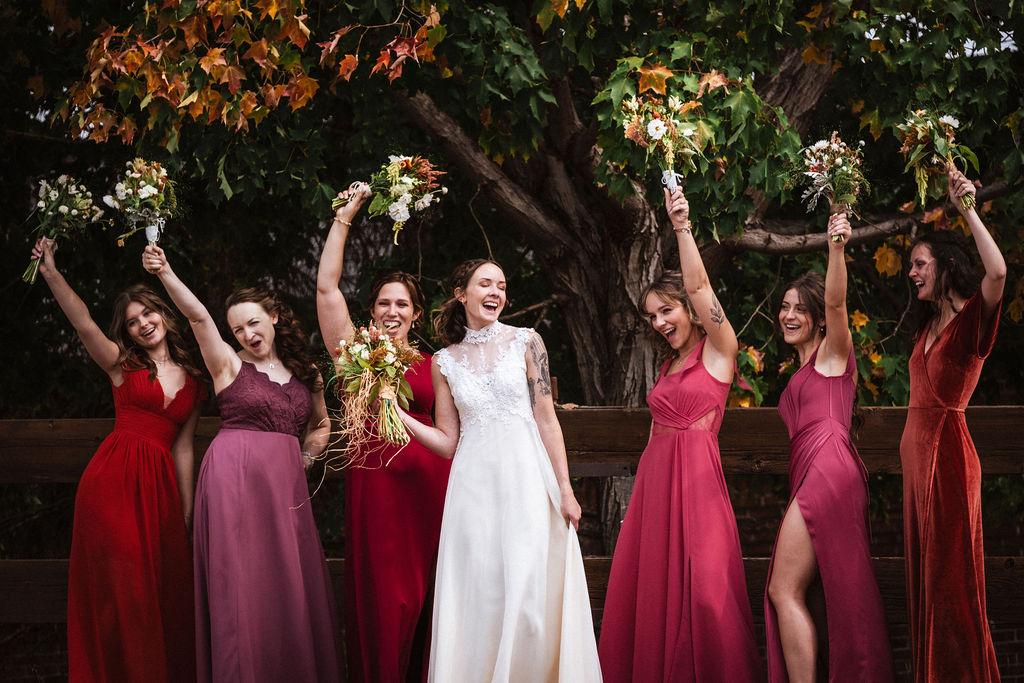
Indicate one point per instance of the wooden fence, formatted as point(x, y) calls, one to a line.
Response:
point(600, 442)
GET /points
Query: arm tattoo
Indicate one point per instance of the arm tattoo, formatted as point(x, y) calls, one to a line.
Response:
point(540, 358)
point(717, 314)
point(529, 390)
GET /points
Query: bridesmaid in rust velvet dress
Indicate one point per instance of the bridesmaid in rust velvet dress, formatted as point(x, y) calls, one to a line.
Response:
point(130, 598)
point(265, 609)
point(824, 532)
point(677, 607)
point(949, 632)
point(394, 496)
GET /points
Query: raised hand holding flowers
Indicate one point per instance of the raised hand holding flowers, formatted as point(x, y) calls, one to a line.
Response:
point(64, 207)
point(928, 143)
point(401, 186)
point(664, 128)
point(146, 197)
point(832, 170)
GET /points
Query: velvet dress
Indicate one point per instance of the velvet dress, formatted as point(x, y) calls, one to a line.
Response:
point(265, 610)
point(828, 481)
point(677, 606)
point(949, 631)
point(130, 598)
point(393, 504)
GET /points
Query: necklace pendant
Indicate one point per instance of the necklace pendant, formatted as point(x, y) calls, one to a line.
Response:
point(272, 366)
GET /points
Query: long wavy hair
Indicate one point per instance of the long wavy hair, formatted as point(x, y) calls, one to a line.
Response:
point(411, 283)
point(131, 356)
point(955, 272)
point(810, 287)
point(450, 319)
point(668, 287)
point(291, 343)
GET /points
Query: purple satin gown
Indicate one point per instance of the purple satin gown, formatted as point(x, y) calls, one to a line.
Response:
point(677, 607)
point(828, 481)
point(265, 610)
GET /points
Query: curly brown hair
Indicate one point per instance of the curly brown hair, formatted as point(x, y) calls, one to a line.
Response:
point(669, 287)
point(291, 343)
point(450, 319)
point(955, 271)
point(132, 356)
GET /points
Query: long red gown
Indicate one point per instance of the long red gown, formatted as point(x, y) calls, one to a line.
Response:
point(393, 505)
point(829, 483)
point(130, 604)
point(677, 607)
point(949, 631)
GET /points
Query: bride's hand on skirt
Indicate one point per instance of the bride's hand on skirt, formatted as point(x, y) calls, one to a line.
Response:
point(571, 510)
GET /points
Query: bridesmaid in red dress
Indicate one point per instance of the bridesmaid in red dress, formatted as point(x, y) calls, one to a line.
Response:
point(393, 497)
point(824, 532)
point(677, 607)
point(949, 632)
point(130, 581)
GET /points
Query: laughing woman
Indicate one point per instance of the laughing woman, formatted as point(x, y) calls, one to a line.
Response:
point(130, 581)
point(824, 532)
point(264, 605)
point(949, 632)
point(677, 607)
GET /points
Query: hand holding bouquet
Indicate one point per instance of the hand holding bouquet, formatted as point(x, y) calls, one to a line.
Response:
point(146, 196)
point(928, 143)
point(666, 132)
point(371, 367)
point(402, 185)
point(831, 169)
point(64, 206)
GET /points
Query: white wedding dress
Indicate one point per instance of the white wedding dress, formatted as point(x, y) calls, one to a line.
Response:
point(510, 598)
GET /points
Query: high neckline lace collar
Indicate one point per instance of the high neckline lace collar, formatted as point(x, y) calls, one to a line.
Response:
point(483, 334)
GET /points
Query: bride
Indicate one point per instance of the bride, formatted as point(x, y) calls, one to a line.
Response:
point(510, 598)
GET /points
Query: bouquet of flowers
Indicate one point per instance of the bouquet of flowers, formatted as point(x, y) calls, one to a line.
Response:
point(928, 143)
point(831, 169)
point(146, 196)
point(371, 367)
point(64, 207)
point(402, 185)
point(665, 131)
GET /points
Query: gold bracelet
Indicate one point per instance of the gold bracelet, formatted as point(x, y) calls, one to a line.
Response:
point(679, 230)
point(345, 223)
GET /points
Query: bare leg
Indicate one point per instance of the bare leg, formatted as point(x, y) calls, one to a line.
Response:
point(794, 569)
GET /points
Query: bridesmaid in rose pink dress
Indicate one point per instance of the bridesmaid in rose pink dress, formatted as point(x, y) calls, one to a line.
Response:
point(676, 607)
point(824, 532)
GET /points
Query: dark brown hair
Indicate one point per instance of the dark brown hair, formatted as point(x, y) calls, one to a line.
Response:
point(450, 319)
point(132, 356)
point(291, 343)
point(668, 287)
point(955, 271)
point(411, 283)
point(810, 288)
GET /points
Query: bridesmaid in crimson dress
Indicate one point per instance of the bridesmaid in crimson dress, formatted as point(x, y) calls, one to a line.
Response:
point(393, 496)
point(265, 609)
point(677, 606)
point(949, 632)
point(824, 532)
point(130, 598)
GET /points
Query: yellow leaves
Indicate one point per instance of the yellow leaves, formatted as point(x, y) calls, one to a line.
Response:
point(300, 90)
point(870, 386)
point(233, 76)
point(296, 31)
point(214, 57)
point(938, 217)
point(194, 28)
point(812, 53)
point(908, 207)
point(560, 7)
point(268, 8)
point(654, 78)
point(738, 401)
point(858, 320)
point(872, 122)
point(815, 11)
point(887, 261)
point(877, 46)
point(757, 357)
point(856, 106)
point(875, 358)
point(712, 80)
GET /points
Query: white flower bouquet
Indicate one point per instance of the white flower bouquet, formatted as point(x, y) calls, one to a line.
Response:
point(928, 143)
point(832, 170)
point(63, 207)
point(665, 129)
point(146, 197)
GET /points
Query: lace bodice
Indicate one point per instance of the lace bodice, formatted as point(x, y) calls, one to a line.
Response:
point(487, 374)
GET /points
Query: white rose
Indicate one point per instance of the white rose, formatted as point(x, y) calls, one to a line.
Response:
point(656, 128)
point(62, 209)
point(399, 212)
point(119, 190)
point(423, 202)
point(950, 121)
point(74, 212)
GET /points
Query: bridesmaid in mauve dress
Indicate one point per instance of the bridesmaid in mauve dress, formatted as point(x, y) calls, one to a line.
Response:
point(130, 598)
point(824, 532)
point(265, 610)
point(393, 495)
point(949, 632)
point(677, 607)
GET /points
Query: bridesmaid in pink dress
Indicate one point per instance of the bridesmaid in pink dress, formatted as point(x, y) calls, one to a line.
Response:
point(824, 532)
point(394, 496)
point(676, 607)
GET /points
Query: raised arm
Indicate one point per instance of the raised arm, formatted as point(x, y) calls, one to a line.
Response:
point(331, 307)
point(221, 360)
point(99, 347)
point(443, 437)
point(183, 452)
point(722, 346)
point(835, 352)
point(538, 379)
point(991, 258)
